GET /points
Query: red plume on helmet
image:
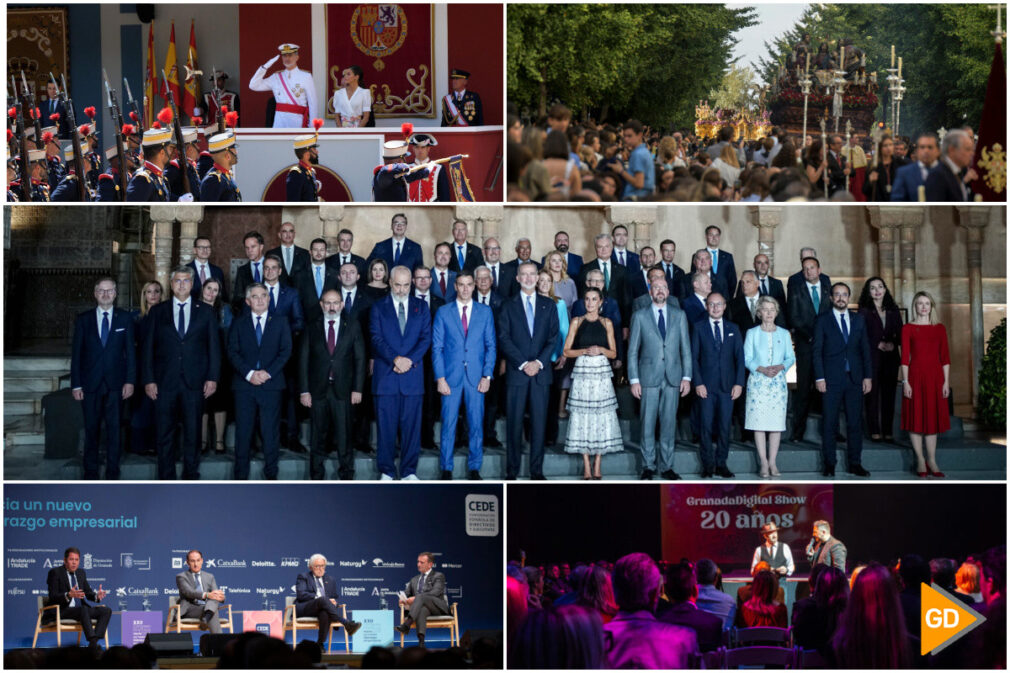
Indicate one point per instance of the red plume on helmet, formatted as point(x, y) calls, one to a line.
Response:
point(133, 116)
point(224, 109)
point(128, 129)
point(12, 112)
point(10, 135)
point(84, 130)
point(231, 119)
point(197, 121)
point(47, 137)
point(156, 125)
point(54, 117)
point(166, 116)
point(317, 124)
point(90, 111)
point(407, 129)
point(35, 114)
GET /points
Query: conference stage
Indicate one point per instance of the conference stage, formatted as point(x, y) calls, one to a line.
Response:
point(256, 540)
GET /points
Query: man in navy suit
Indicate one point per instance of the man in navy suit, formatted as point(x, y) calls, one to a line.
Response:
point(286, 305)
point(808, 299)
point(259, 346)
point(465, 256)
point(401, 335)
point(621, 255)
point(315, 279)
point(723, 264)
point(443, 279)
point(55, 106)
point(681, 610)
point(674, 274)
point(250, 272)
point(527, 335)
point(493, 400)
point(573, 261)
point(638, 284)
point(345, 241)
point(316, 596)
point(911, 176)
point(68, 587)
point(293, 258)
point(615, 279)
point(503, 276)
point(203, 269)
point(693, 304)
point(398, 250)
point(843, 375)
point(701, 263)
point(945, 182)
point(181, 366)
point(718, 378)
point(463, 360)
point(103, 370)
point(523, 251)
point(767, 284)
point(432, 403)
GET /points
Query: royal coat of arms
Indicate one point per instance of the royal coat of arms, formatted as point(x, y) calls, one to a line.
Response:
point(378, 31)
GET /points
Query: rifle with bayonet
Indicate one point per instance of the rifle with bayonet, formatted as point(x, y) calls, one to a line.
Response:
point(22, 141)
point(217, 103)
point(117, 119)
point(137, 111)
point(82, 186)
point(28, 103)
point(180, 147)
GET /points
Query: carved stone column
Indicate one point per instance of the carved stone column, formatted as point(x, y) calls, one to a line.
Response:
point(331, 215)
point(163, 221)
point(766, 219)
point(189, 221)
point(911, 219)
point(639, 221)
point(482, 221)
point(975, 220)
point(885, 220)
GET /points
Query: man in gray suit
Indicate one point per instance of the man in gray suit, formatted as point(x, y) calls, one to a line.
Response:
point(199, 596)
point(659, 370)
point(824, 549)
point(643, 301)
point(425, 596)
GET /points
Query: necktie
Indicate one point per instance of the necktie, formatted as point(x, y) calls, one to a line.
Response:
point(256, 272)
point(401, 315)
point(320, 591)
point(462, 257)
point(396, 254)
point(845, 329)
point(620, 259)
point(287, 259)
point(483, 300)
point(331, 338)
point(662, 325)
point(669, 274)
point(816, 299)
point(203, 274)
point(273, 305)
point(465, 324)
point(199, 587)
point(715, 261)
point(606, 276)
point(718, 334)
point(105, 327)
point(73, 585)
point(182, 320)
point(441, 282)
point(319, 282)
point(348, 302)
point(494, 276)
point(750, 306)
point(529, 314)
point(764, 288)
point(424, 298)
point(259, 330)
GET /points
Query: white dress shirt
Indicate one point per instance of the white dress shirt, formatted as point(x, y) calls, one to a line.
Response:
point(772, 550)
point(187, 307)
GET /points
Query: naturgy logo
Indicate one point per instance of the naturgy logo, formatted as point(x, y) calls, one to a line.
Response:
point(944, 619)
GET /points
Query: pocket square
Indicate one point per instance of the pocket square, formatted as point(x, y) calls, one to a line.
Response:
point(120, 329)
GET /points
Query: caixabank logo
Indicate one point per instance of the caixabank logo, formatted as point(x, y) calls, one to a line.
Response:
point(944, 619)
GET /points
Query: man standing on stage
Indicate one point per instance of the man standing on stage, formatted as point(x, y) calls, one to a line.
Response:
point(316, 596)
point(776, 554)
point(824, 549)
point(292, 89)
point(68, 588)
point(426, 597)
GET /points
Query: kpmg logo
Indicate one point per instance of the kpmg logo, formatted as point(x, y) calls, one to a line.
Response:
point(264, 564)
point(351, 591)
point(291, 562)
point(177, 563)
point(23, 563)
point(127, 560)
point(354, 564)
point(379, 563)
point(222, 563)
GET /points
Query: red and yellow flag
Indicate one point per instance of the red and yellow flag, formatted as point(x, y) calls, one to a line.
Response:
point(151, 78)
point(191, 84)
point(171, 69)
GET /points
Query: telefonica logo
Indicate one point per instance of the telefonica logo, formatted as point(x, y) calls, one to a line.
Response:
point(379, 563)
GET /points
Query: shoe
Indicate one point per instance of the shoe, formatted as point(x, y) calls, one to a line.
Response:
point(796, 438)
point(385, 477)
point(774, 471)
point(670, 475)
point(695, 439)
point(707, 474)
point(220, 448)
point(352, 627)
point(204, 626)
point(587, 477)
point(647, 475)
point(921, 475)
point(938, 474)
point(296, 446)
point(410, 477)
point(828, 471)
point(461, 444)
point(859, 471)
point(510, 477)
point(724, 472)
point(538, 477)
point(446, 475)
point(492, 443)
point(875, 438)
point(474, 475)
point(763, 473)
point(839, 438)
point(364, 447)
point(403, 628)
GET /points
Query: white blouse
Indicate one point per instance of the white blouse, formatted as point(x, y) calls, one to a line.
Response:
point(352, 109)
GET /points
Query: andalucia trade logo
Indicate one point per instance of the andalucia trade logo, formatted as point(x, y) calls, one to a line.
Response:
point(944, 619)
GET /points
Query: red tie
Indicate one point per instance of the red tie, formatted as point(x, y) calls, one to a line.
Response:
point(465, 323)
point(203, 273)
point(331, 338)
point(441, 281)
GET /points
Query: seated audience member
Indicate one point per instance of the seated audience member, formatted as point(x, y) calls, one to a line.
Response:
point(762, 608)
point(711, 597)
point(570, 637)
point(681, 609)
point(815, 618)
point(575, 581)
point(535, 580)
point(516, 597)
point(967, 581)
point(596, 592)
point(871, 631)
point(942, 573)
point(914, 571)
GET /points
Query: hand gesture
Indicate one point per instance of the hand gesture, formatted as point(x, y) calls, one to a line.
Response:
point(102, 593)
point(306, 400)
point(266, 66)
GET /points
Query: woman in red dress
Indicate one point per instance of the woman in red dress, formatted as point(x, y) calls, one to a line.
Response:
point(925, 372)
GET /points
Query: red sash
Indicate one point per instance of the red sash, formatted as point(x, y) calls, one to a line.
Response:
point(293, 107)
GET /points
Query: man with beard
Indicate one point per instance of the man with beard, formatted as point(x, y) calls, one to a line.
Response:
point(573, 261)
point(301, 183)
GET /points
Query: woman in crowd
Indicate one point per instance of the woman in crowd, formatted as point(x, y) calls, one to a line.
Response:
point(871, 631)
point(545, 288)
point(570, 637)
point(142, 420)
point(353, 103)
point(709, 187)
point(967, 581)
point(728, 164)
point(883, 331)
point(564, 285)
point(562, 170)
point(217, 404)
point(768, 355)
point(925, 375)
point(761, 609)
point(593, 428)
point(514, 128)
point(815, 163)
point(378, 279)
point(535, 181)
point(880, 178)
point(815, 619)
point(535, 579)
point(597, 593)
point(757, 188)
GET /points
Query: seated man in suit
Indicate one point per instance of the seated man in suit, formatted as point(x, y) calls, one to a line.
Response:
point(465, 255)
point(823, 549)
point(69, 588)
point(345, 241)
point(398, 250)
point(426, 597)
point(463, 360)
point(843, 373)
point(316, 596)
point(199, 595)
point(910, 177)
point(573, 261)
point(103, 370)
point(443, 279)
point(944, 182)
point(293, 258)
point(259, 346)
point(331, 376)
point(682, 610)
point(203, 270)
point(718, 378)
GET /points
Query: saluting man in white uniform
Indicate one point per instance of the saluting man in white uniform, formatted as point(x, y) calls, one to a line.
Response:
point(292, 89)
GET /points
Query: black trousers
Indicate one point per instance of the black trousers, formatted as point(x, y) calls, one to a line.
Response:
point(171, 407)
point(326, 612)
point(331, 416)
point(98, 406)
point(533, 396)
point(84, 614)
point(805, 390)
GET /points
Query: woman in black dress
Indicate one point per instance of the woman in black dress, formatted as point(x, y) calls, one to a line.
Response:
point(217, 405)
point(881, 176)
point(142, 438)
point(883, 330)
point(377, 286)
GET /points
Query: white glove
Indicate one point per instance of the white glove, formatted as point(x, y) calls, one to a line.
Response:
point(186, 198)
point(319, 186)
point(266, 66)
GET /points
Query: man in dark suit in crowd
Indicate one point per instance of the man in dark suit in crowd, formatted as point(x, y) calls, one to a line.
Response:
point(843, 374)
point(431, 405)
point(493, 400)
point(674, 274)
point(315, 279)
point(808, 299)
point(204, 270)
point(401, 335)
point(652, 275)
point(345, 241)
point(527, 335)
point(503, 276)
point(53, 105)
point(723, 266)
point(680, 609)
point(462, 251)
point(638, 282)
point(103, 370)
point(701, 263)
point(443, 279)
point(767, 284)
point(398, 250)
point(621, 254)
point(331, 376)
point(742, 308)
point(316, 596)
point(824, 548)
point(615, 279)
point(181, 366)
point(573, 261)
point(523, 251)
point(945, 182)
point(285, 305)
point(250, 272)
point(259, 347)
point(718, 378)
point(796, 280)
point(357, 307)
point(910, 177)
point(293, 258)
point(693, 304)
point(426, 597)
point(838, 168)
point(69, 588)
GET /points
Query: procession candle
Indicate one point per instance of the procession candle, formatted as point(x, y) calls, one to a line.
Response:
point(808, 62)
point(892, 57)
point(899, 67)
point(841, 65)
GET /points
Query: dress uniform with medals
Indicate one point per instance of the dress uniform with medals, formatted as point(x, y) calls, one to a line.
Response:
point(229, 99)
point(218, 184)
point(292, 89)
point(435, 187)
point(148, 182)
point(389, 181)
point(462, 108)
point(12, 171)
point(301, 183)
point(173, 174)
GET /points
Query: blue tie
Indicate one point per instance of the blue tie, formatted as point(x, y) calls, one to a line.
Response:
point(319, 282)
point(273, 305)
point(396, 255)
point(105, 328)
point(256, 272)
point(529, 314)
point(461, 257)
point(718, 335)
point(845, 329)
point(259, 330)
point(182, 320)
point(662, 325)
point(348, 303)
point(199, 588)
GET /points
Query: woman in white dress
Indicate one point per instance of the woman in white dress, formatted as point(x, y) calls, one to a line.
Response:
point(768, 355)
point(353, 103)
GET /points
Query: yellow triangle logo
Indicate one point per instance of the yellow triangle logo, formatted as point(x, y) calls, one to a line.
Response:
point(944, 619)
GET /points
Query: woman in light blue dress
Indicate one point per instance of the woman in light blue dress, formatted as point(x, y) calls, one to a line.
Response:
point(768, 355)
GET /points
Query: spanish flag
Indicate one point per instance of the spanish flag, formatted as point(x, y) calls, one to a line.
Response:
point(151, 79)
point(191, 85)
point(990, 152)
point(171, 69)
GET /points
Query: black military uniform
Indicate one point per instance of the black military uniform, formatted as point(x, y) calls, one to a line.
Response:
point(468, 108)
point(301, 183)
point(173, 175)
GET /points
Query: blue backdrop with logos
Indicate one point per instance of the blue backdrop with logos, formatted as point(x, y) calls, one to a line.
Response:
point(255, 540)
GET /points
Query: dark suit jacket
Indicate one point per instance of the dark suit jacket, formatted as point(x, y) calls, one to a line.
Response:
point(347, 362)
point(434, 585)
point(775, 289)
point(694, 308)
point(726, 276)
point(360, 311)
point(718, 285)
point(287, 305)
point(832, 351)
point(675, 283)
point(516, 344)
point(61, 110)
point(305, 283)
point(271, 354)
point(494, 300)
point(718, 369)
point(215, 272)
point(836, 176)
point(943, 185)
point(410, 253)
point(802, 313)
point(388, 344)
point(638, 286)
point(59, 586)
point(573, 261)
point(472, 257)
point(305, 589)
point(333, 261)
point(243, 279)
point(631, 261)
point(707, 626)
point(299, 261)
point(739, 313)
point(507, 286)
point(450, 284)
point(620, 288)
point(176, 363)
point(114, 364)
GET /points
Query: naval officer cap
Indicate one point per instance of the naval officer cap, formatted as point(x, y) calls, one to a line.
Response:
point(287, 48)
point(458, 73)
